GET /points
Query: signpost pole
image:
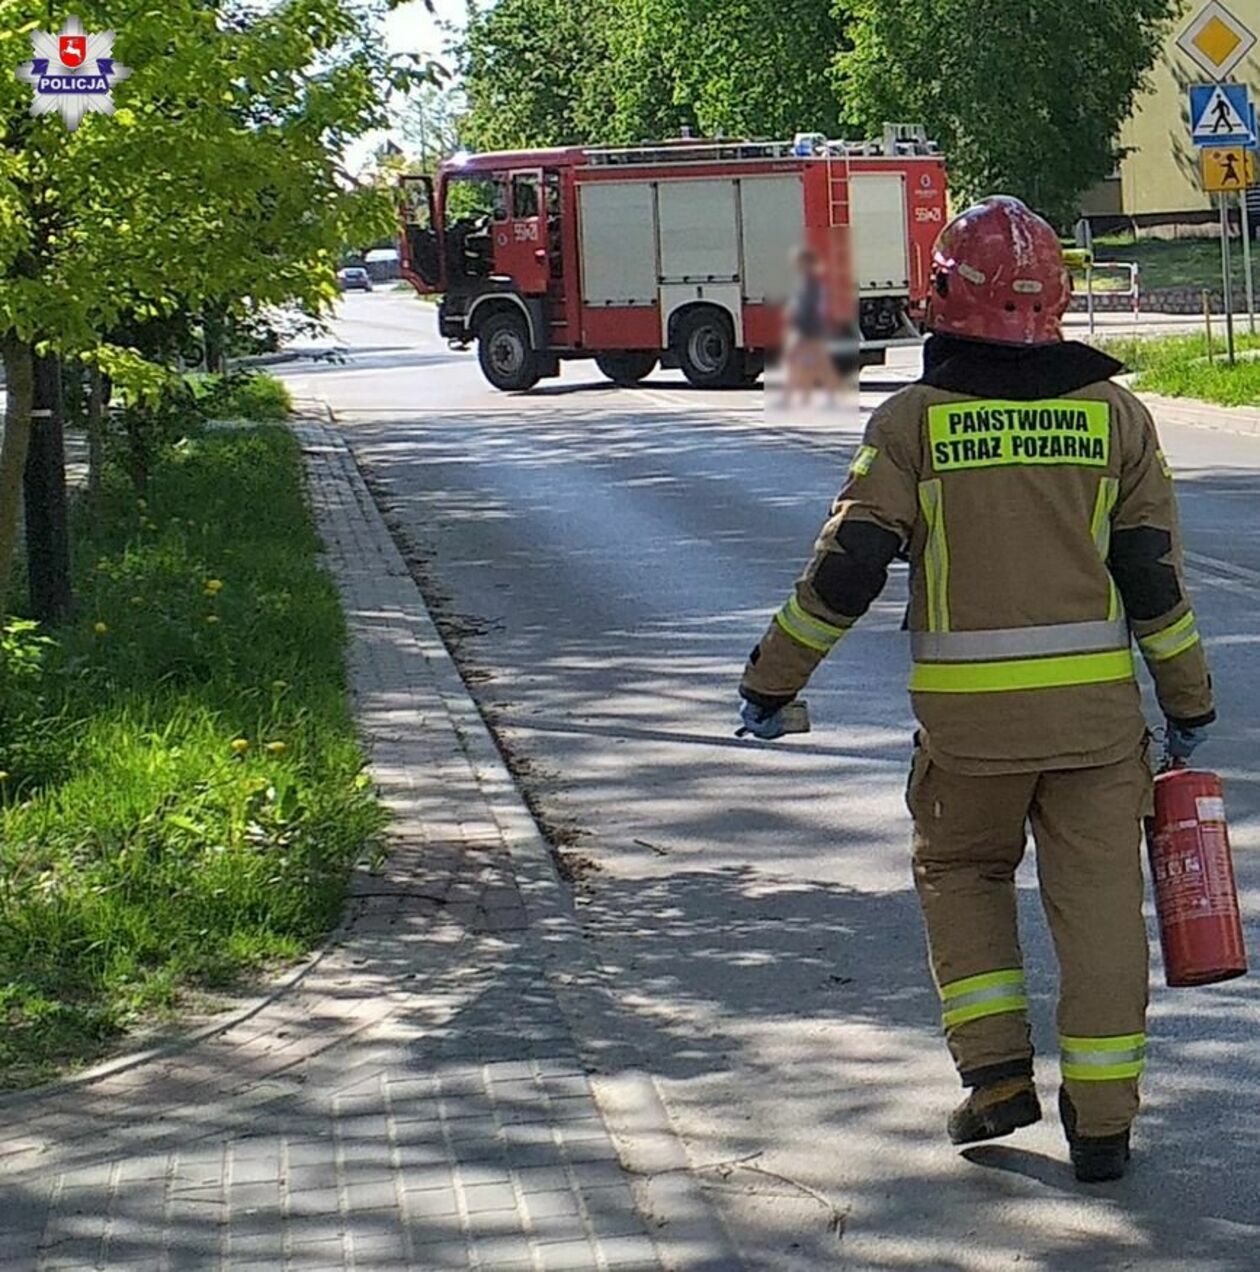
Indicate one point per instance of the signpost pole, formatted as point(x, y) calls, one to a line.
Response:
point(1246, 247)
point(1226, 278)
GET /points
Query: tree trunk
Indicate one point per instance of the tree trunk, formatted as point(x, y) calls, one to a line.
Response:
point(138, 449)
point(47, 513)
point(215, 329)
point(96, 407)
point(19, 374)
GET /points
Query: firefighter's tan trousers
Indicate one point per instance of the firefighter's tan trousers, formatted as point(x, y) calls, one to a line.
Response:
point(969, 839)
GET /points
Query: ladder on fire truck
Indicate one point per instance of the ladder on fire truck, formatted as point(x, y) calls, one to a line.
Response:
point(840, 233)
point(899, 139)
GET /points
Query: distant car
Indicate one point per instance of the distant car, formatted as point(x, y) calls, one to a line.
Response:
point(354, 278)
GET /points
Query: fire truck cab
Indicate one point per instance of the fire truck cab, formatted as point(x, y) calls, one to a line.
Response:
point(675, 253)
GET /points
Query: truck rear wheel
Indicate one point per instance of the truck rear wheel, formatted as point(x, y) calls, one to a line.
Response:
point(626, 367)
point(705, 342)
point(506, 354)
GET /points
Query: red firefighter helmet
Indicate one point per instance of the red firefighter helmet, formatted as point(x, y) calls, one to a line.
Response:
point(998, 275)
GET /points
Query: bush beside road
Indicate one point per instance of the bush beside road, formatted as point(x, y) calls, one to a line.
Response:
point(183, 792)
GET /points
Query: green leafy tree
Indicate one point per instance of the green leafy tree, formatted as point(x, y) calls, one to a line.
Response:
point(742, 68)
point(215, 188)
point(554, 72)
point(432, 121)
point(1026, 99)
point(529, 68)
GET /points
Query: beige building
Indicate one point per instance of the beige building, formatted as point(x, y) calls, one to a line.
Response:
point(1159, 176)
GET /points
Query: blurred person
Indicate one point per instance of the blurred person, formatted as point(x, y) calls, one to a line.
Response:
point(806, 357)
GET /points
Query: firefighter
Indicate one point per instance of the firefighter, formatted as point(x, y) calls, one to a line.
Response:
point(1030, 495)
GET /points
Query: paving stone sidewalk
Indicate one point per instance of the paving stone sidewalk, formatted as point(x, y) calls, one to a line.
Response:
point(414, 1097)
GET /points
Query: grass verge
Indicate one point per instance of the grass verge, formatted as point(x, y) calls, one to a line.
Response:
point(1191, 262)
point(1178, 366)
point(183, 793)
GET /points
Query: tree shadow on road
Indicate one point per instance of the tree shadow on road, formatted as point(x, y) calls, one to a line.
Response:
point(752, 916)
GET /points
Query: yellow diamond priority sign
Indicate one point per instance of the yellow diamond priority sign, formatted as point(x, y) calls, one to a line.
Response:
point(1216, 40)
point(1227, 168)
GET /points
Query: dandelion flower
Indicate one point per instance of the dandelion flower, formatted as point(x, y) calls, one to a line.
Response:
point(4, 776)
point(240, 745)
point(276, 748)
point(214, 585)
point(212, 619)
point(100, 628)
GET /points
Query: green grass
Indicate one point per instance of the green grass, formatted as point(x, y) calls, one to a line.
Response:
point(1174, 263)
point(183, 793)
point(1177, 366)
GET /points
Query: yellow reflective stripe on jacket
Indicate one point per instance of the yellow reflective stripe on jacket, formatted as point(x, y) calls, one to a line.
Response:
point(1104, 505)
point(862, 461)
point(1103, 1059)
point(989, 994)
point(1030, 673)
point(935, 556)
point(807, 630)
point(1173, 640)
point(970, 435)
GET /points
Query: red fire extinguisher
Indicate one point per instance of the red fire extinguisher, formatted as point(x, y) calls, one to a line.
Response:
point(1196, 897)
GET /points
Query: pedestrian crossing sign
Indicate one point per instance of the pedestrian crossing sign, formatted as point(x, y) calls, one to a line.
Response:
point(1228, 168)
point(1220, 115)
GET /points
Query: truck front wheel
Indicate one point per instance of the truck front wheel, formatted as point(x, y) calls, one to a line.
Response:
point(626, 367)
point(506, 354)
point(705, 343)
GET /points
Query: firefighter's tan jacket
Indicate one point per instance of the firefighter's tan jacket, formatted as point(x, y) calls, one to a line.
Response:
point(1043, 542)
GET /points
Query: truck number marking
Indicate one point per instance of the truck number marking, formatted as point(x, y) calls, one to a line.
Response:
point(928, 214)
point(525, 231)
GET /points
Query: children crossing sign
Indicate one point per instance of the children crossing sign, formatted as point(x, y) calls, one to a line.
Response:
point(1228, 169)
point(1220, 115)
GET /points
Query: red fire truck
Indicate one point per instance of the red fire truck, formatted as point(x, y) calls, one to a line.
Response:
point(675, 253)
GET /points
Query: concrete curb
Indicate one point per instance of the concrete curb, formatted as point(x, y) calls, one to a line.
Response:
point(176, 1045)
point(690, 1236)
point(1196, 414)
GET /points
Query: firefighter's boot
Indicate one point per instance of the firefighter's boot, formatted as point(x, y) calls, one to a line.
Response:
point(994, 1110)
point(1096, 1160)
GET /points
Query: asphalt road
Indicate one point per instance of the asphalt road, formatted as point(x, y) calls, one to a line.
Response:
point(604, 559)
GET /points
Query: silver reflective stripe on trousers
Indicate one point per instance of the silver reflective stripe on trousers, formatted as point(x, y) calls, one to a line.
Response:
point(1019, 642)
point(992, 993)
point(1104, 1059)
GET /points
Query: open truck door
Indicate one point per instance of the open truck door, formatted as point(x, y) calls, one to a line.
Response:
point(422, 257)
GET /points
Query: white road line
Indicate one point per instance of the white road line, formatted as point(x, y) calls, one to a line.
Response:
point(1225, 567)
point(1201, 574)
